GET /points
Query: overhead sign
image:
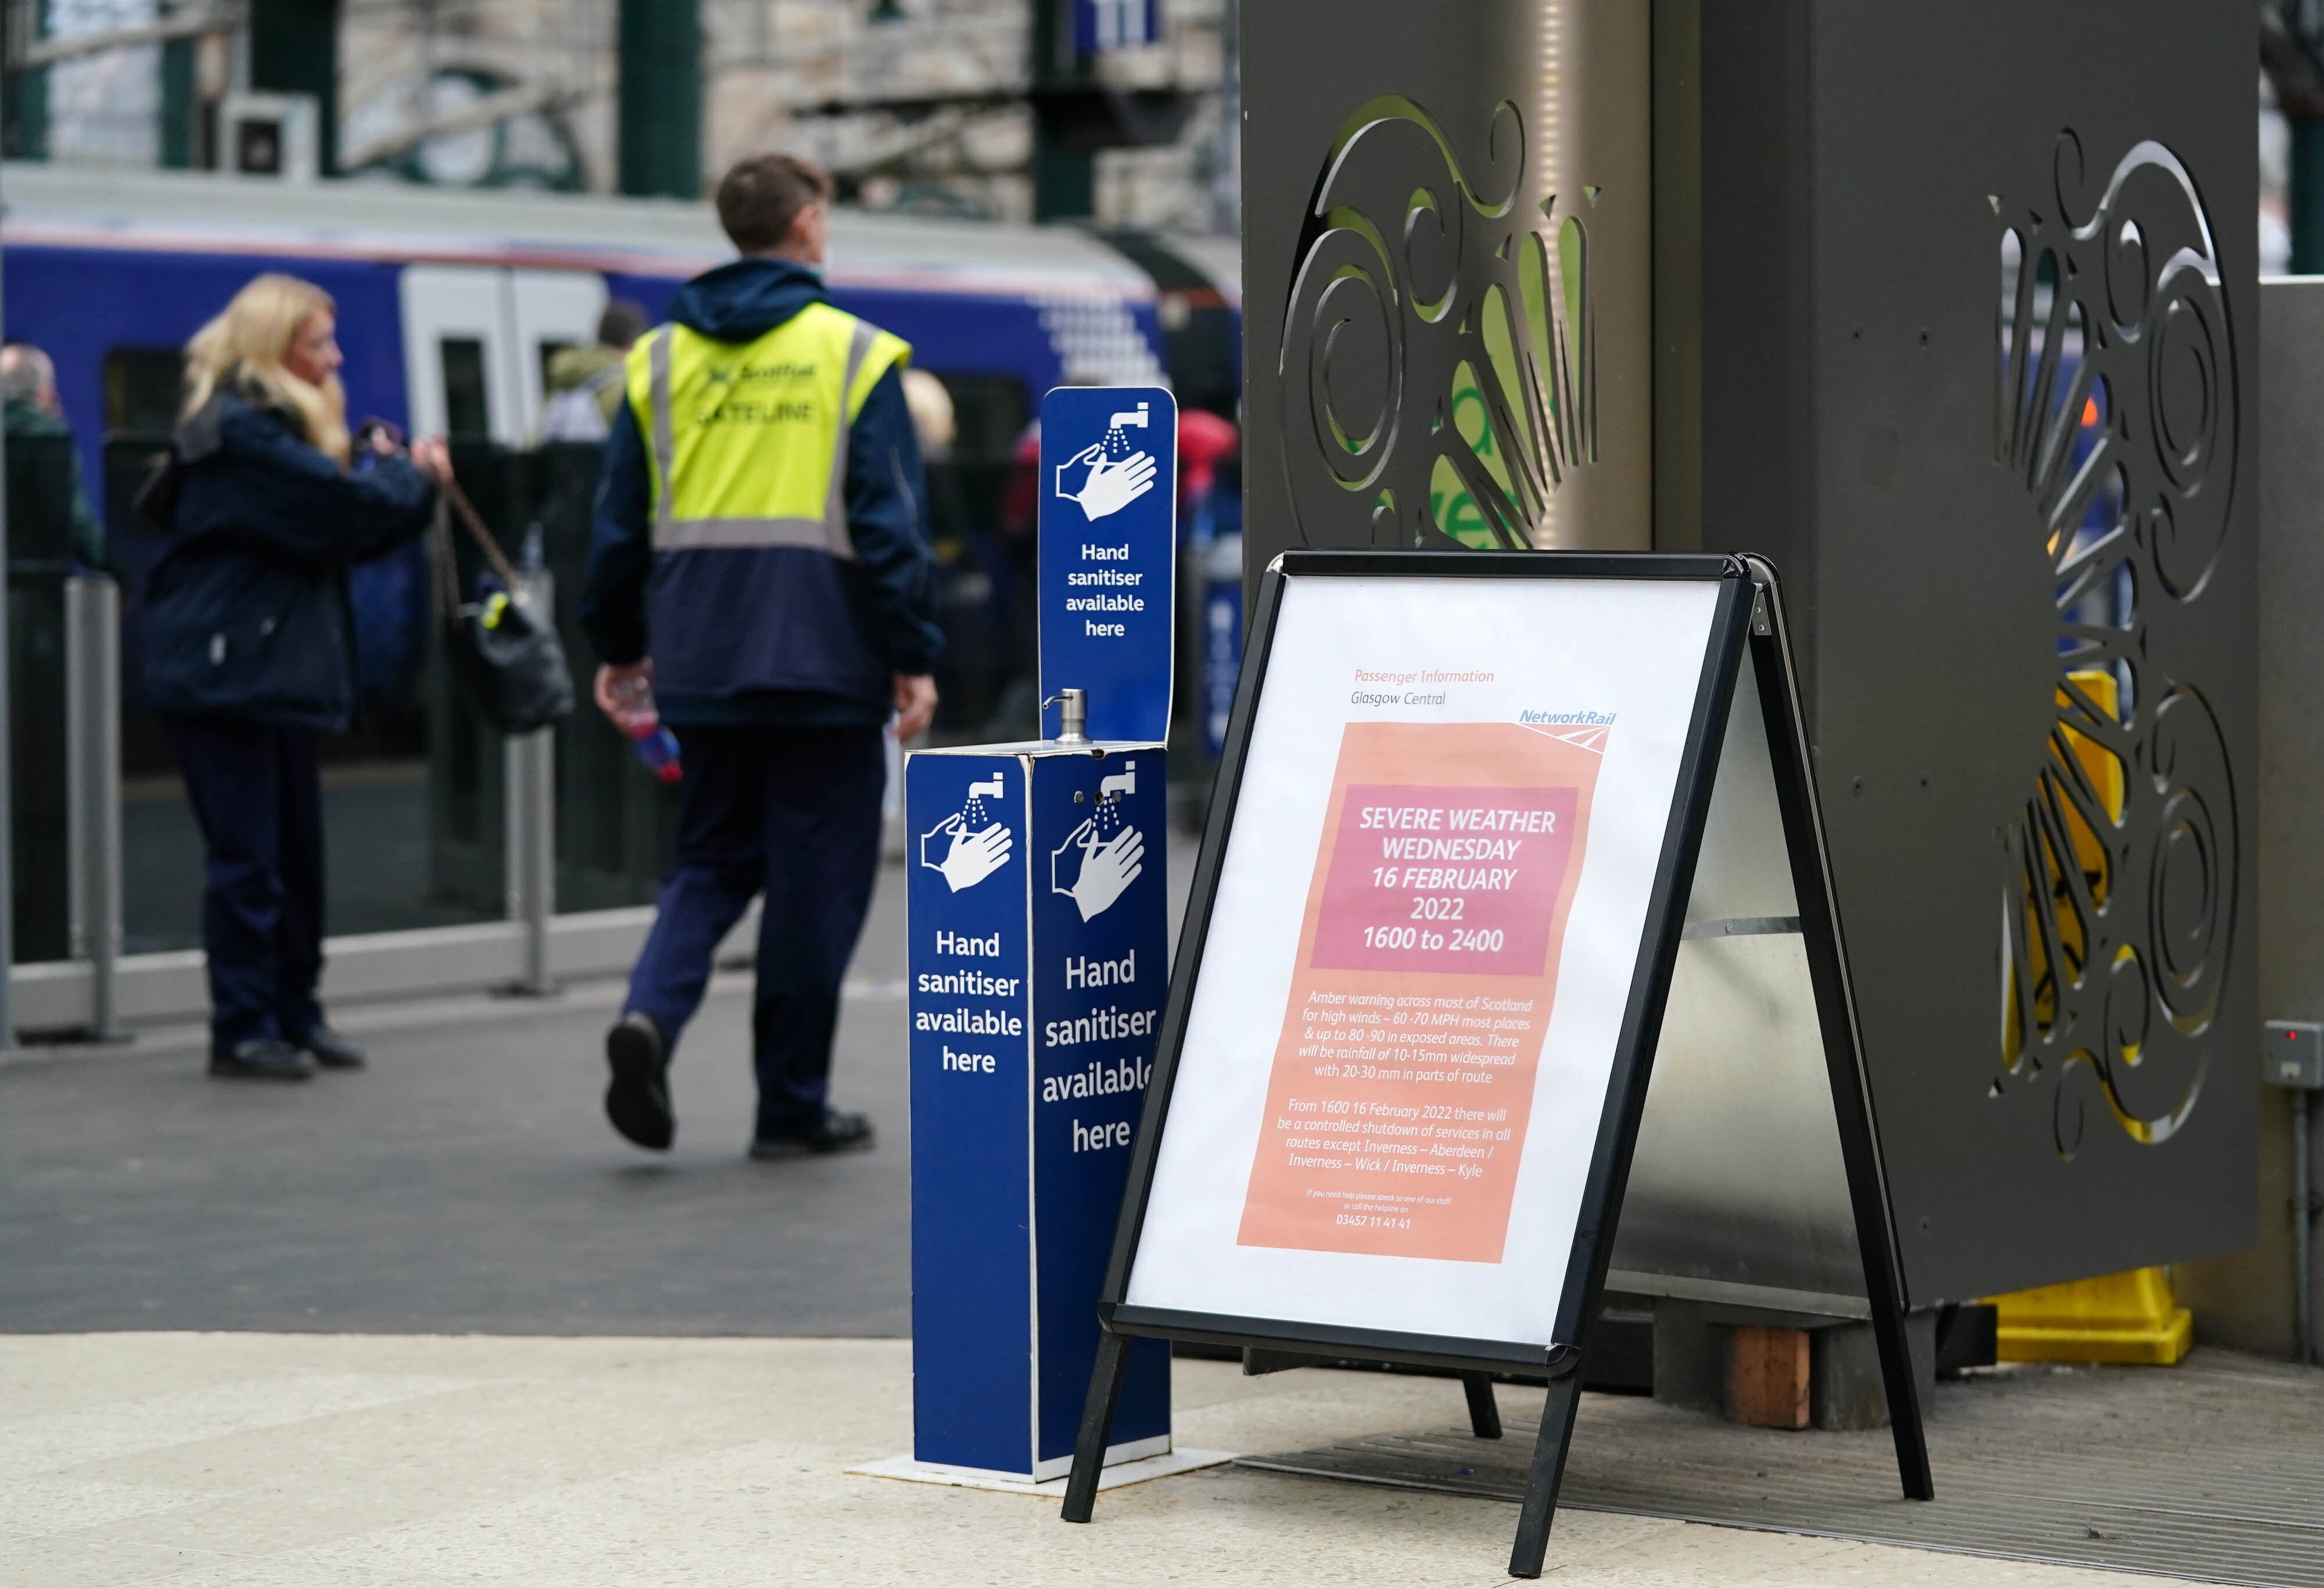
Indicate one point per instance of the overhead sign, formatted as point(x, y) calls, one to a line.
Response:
point(1108, 536)
point(1100, 25)
point(1450, 864)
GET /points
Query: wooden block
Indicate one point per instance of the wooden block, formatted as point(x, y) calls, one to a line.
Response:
point(1768, 1378)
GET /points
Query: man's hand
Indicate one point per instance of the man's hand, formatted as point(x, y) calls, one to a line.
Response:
point(618, 689)
point(916, 705)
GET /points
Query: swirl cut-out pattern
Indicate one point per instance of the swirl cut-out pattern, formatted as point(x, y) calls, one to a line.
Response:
point(2116, 404)
point(1422, 288)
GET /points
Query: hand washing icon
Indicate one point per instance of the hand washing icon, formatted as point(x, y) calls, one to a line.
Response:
point(970, 844)
point(1116, 476)
point(1104, 855)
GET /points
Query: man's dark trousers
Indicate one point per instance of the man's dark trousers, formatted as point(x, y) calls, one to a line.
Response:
point(794, 812)
point(257, 794)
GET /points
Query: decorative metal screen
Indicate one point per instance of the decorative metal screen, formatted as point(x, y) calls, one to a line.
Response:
point(2118, 403)
point(1828, 283)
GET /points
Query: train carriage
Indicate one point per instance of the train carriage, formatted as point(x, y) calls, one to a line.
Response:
point(451, 306)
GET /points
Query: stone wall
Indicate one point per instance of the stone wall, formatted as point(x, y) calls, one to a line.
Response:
point(925, 112)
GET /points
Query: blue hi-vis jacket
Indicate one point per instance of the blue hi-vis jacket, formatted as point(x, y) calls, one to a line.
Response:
point(785, 634)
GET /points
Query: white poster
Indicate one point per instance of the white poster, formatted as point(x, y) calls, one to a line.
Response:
point(1428, 916)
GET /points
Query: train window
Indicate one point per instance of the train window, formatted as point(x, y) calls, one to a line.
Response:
point(988, 412)
point(143, 387)
point(467, 415)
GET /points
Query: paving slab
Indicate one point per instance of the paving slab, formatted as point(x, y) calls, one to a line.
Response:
point(252, 1460)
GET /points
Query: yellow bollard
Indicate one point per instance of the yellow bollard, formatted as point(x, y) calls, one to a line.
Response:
point(2121, 1317)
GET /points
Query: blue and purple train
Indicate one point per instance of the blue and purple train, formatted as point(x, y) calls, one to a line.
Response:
point(450, 302)
point(111, 272)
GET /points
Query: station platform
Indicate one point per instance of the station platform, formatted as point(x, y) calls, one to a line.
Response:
point(433, 1323)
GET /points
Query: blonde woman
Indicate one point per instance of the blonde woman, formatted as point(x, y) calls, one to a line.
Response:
point(249, 647)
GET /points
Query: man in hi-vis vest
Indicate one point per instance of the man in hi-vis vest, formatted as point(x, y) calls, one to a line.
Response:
point(759, 571)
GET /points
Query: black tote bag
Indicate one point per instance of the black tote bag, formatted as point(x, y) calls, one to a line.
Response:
point(510, 665)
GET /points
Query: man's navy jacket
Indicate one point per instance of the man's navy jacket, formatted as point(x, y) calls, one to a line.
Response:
point(886, 600)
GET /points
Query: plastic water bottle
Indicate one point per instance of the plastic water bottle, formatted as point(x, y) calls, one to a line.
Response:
point(656, 746)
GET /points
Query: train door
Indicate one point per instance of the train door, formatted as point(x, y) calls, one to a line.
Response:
point(477, 339)
point(459, 355)
point(549, 310)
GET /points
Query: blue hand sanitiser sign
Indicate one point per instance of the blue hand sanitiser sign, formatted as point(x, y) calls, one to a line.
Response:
point(1108, 536)
point(1038, 958)
point(1037, 966)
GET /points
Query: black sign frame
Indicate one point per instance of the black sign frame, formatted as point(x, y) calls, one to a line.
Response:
point(1749, 614)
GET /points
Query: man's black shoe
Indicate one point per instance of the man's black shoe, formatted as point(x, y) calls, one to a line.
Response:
point(329, 1049)
point(262, 1058)
point(638, 1102)
point(837, 1133)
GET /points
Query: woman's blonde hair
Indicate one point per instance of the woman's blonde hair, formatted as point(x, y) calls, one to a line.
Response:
point(245, 346)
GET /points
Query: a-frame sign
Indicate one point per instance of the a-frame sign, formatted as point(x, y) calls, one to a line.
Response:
point(1450, 866)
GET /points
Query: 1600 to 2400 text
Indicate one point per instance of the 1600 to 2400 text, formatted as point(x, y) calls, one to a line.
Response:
point(1460, 939)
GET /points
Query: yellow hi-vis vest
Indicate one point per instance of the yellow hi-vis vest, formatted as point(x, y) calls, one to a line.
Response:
point(746, 444)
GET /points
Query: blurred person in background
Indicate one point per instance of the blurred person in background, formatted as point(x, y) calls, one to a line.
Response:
point(249, 645)
point(933, 419)
point(28, 384)
point(760, 563)
point(584, 385)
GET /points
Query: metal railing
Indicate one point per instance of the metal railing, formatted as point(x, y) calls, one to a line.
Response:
point(85, 987)
point(517, 826)
point(530, 760)
point(96, 989)
point(93, 790)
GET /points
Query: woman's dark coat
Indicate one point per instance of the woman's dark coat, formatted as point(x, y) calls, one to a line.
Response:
point(247, 613)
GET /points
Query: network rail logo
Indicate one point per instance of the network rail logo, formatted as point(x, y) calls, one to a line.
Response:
point(1533, 719)
point(1583, 730)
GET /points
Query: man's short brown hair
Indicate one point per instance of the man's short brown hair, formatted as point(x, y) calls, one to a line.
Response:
point(762, 196)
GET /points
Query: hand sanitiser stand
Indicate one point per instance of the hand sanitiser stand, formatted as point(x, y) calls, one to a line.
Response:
point(1038, 962)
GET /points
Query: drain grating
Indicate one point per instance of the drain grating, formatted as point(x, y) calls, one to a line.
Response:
point(2213, 1470)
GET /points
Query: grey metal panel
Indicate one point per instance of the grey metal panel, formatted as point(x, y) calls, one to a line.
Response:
point(1859, 166)
point(1738, 1179)
point(2263, 1295)
point(2291, 652)
point(2246, 1300)
point(1543, 111)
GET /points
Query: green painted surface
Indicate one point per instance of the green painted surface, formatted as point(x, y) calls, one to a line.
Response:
point(294, 49)
point(661, 139)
